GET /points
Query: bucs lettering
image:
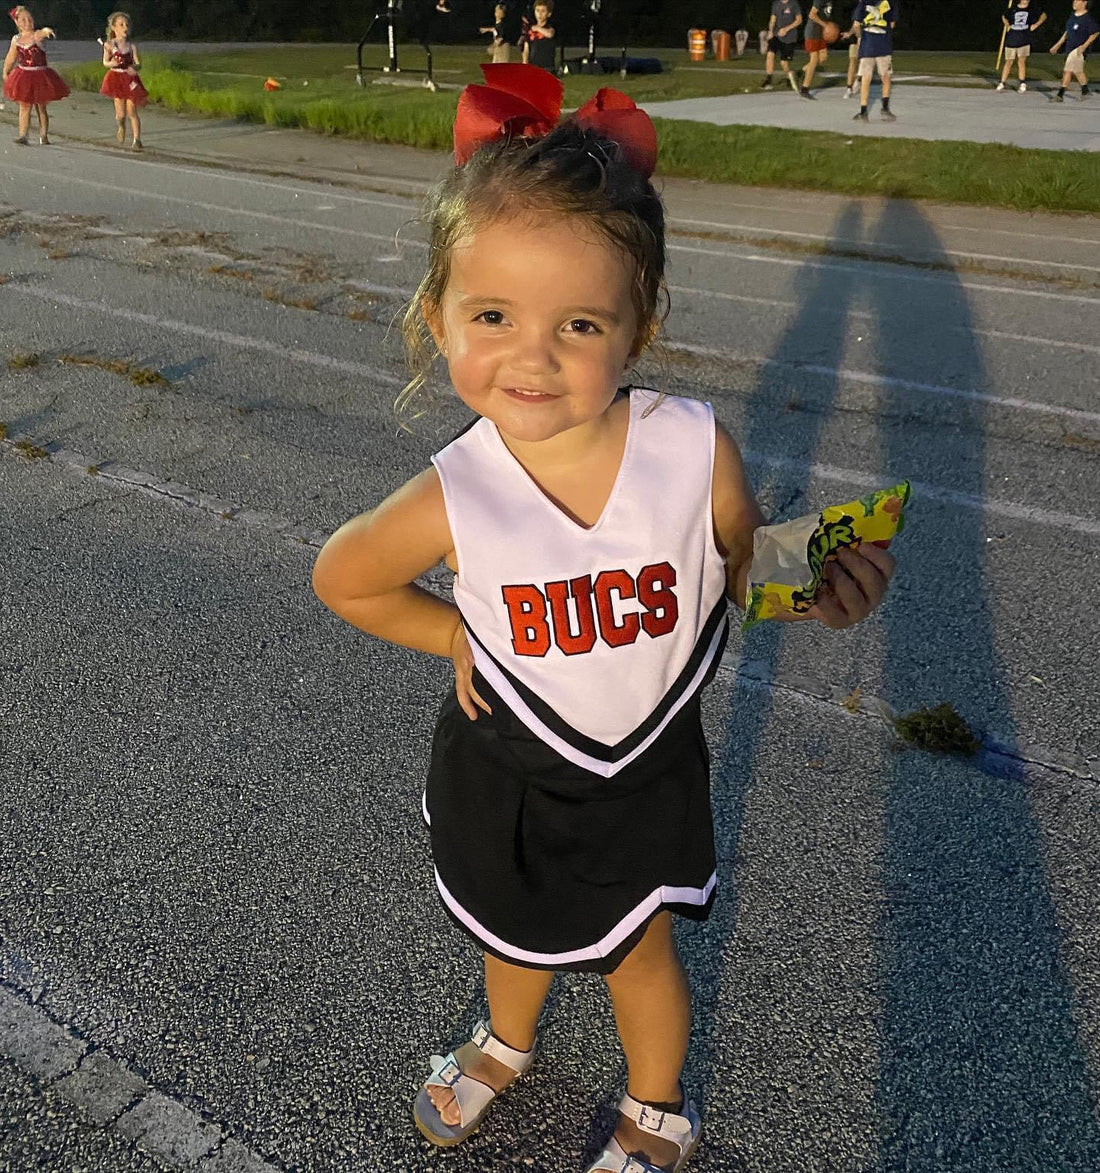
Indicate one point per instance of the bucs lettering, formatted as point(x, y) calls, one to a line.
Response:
point(540, 617)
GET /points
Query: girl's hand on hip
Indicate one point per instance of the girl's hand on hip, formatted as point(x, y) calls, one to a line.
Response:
point(463, 660)
point(855, 582)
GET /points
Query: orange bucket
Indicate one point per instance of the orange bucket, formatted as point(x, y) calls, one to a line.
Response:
point(697, 44)
point(720, 44)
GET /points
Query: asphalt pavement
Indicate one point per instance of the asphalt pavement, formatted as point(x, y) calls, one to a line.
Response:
point(219, 942)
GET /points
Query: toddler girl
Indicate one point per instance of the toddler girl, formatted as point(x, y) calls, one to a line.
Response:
point(28, 80)
point(595, 531)
point(121, 81)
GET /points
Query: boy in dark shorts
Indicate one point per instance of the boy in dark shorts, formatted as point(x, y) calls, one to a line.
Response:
point(875, 23)
point(782, 39)
point(821, 11)
point(1020, 23)
point(1081, 31)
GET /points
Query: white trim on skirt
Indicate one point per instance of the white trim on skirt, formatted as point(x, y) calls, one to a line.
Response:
point(603, 947)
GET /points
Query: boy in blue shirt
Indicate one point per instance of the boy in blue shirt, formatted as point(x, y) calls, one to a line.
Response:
point(873, 21)
point(1081, 31)
point(1020, 23)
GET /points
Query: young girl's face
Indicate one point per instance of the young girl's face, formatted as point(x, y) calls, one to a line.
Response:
point(120, 30)
point(24, 22)
point(542, 13)
point(537, 325)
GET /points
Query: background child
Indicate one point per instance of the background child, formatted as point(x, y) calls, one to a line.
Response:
point(121, 81)
point(783, 24)
point(568, 792)
point(1020, 23)
point(1081, 31)
point(874, 21)
point(538, 38)
point(28, 79)
point(815, 46)
point(498, 46)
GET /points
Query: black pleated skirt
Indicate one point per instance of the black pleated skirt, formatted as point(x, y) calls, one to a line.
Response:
point(549, 866)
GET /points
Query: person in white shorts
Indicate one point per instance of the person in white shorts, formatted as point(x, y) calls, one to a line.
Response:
point(875, 22)
point(1020, 23)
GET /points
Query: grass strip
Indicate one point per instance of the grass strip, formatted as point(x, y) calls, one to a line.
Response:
point(990, 174)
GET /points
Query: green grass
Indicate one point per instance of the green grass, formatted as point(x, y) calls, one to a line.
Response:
point(230, 85)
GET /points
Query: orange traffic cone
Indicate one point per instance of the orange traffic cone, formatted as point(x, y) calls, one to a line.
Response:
point(272, 84)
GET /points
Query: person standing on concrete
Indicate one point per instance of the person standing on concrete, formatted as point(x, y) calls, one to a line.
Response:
point(815, 44)
point(1081, 31)
point(874, 23)
point(783, 28)
point(1020, 23)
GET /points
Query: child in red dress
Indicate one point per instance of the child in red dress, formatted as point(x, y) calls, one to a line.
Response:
point(28, 80)
point(120, 56)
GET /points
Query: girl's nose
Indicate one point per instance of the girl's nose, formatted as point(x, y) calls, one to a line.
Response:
point(536, 351)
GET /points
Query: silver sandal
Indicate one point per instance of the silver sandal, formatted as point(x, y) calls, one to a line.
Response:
point(684, 1132)
point(472, 1096)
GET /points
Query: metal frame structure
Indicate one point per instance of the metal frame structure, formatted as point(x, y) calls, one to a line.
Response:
point(389, 14)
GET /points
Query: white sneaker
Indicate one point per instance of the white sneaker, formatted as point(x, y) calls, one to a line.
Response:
point(1000, 86)
point(848, 92)
point(1023, 87)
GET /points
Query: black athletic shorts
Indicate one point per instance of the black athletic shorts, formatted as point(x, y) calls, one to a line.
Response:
point(785, 49)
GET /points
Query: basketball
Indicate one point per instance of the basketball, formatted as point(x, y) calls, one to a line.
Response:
point(830, 30)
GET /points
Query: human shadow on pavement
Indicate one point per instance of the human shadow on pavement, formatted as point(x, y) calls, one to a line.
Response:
point(786, 413)
point(981, 1065)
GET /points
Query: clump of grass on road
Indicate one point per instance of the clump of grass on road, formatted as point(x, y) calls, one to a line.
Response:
point(229, 85)
point(23, 361)
point(141, 376)
point(939, 729)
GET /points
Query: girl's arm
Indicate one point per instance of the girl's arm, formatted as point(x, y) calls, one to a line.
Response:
point(137, 59)
point(1042, 17)
point(107, 51)
point(1058, 43)
point(366, 571)
point(9, 60)
point(735, 513)
point(856, 580)
point(41, 35)
point(547, 31)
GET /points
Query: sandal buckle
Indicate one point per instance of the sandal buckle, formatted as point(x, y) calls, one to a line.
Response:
point(482, 1034)
point(449, 1074)
point(650, 1119)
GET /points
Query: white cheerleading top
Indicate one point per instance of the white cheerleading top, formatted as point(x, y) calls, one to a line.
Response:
point(595, 638)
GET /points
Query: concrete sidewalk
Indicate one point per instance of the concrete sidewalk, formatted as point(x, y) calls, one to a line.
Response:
point(926, 112)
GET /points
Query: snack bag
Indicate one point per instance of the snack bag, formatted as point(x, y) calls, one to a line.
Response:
point(788, 560)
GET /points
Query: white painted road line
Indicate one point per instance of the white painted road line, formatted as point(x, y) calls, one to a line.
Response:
point(360, 370)
point(869, 377)
point(844, 311)
point(863, 480)
point(878, 268)
point(293, 353)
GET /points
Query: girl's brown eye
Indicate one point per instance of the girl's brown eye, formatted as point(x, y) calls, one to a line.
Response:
point(583, 326)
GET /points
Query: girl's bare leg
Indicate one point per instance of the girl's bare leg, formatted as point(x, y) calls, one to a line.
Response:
point(43, 122)
point(516, 996)
point(652, 1003)
point(120, 120)
point(24, 119)
point(135, 120)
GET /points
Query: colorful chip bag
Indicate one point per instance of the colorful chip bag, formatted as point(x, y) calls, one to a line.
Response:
point(789, 560)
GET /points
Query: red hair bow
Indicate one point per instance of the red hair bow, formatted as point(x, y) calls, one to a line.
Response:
point(524, 101)
point(12, 12)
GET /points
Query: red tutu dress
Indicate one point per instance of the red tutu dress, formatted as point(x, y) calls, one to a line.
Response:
point(119, 84)
point(32, 80)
